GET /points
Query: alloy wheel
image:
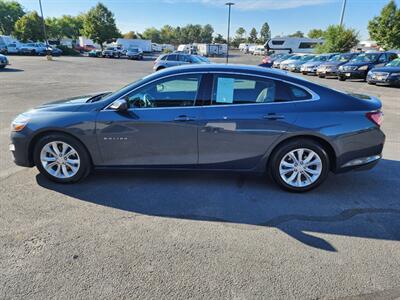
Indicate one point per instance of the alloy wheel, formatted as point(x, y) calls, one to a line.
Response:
point(60, 159)
point(300, 167)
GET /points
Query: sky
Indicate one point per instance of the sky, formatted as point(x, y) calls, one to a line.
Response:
point(283, 16)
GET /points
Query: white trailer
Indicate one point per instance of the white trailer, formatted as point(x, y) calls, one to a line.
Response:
point(292, 45)
point(212, 49)
point(125, 44)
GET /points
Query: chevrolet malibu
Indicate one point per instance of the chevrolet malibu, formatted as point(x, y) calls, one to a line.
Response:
point(205, 117)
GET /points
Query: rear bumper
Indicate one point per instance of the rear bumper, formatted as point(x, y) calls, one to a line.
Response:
point(360, 152)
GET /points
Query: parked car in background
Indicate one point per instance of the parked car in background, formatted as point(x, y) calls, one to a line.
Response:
point(387, 75)
point(85, 48)
point(296, 65)
point(358, 67)
point(95, 53)
point(112, 52)
point(12, 48)
point(56, 51)
point(134, 53)
point(34, 49)
point(205, 117)
point(284, 65)
point(259, 50)
point(266, 62)
point(330, 68)
point(3, 61)
point(283, 57)
point(176, 59)
point(312, 65)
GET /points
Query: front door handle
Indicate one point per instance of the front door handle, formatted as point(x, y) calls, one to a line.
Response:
point(184, 118)
point(274, 116)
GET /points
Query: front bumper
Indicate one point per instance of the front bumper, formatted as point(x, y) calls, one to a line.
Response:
point(390, 80)
point(19, 148)
point(353, 74)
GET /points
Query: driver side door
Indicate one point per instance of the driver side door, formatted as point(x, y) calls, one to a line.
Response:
point(160, 128)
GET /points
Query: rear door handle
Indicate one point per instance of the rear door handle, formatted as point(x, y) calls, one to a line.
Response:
point(274, 117)
point(184, 118)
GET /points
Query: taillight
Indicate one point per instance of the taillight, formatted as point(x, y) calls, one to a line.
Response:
point(376, 117)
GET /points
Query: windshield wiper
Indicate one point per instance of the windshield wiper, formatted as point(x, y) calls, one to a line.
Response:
point(97, 97)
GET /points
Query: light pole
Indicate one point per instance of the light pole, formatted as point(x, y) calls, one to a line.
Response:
point(342, 14)
point(229, 27)
point(43, 24)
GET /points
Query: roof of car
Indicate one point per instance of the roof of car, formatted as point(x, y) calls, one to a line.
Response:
point(225, 67)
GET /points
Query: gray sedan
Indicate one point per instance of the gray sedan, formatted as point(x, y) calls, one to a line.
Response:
point(205, 117)
point(177, 59)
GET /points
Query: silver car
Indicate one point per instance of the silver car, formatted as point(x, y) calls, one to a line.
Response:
point(176, 59)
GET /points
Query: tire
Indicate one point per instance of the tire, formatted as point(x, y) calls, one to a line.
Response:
point(318, 164)
point(321, 76)
point(33, 52)
point(341, 78)
point(82, 169)
point(304, 73)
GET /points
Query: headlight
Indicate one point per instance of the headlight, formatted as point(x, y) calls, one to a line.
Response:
point(395, 74)
point(341, 68)
point(363, 68)
point(19, 123)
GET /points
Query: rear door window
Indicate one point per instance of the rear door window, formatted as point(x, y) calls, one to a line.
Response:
point(238, 89)
point(172, 57)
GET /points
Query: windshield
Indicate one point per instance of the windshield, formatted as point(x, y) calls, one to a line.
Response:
point(296, 57)
point(366, 57)
point(306, 57)
point(110, 48)
point(202, 58)
point(133, 49)
point(394, 63)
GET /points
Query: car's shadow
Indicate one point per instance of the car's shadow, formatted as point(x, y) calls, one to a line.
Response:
point(9, 70)
point(357, 204)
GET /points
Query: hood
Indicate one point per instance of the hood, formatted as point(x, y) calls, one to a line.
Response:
point(387, 69)
point(288, 61)
point(313, 63)
point(334, 63)
point(359, 64)
point(70, 104)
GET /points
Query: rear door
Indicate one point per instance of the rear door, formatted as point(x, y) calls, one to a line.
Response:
point(159, 129)
point(245, 117)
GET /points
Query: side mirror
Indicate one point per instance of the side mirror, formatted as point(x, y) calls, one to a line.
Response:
point(119, 105)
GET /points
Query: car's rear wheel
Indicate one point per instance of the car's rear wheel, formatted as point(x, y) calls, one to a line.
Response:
point(61, 158)
point(341, 78)
point(300, 165)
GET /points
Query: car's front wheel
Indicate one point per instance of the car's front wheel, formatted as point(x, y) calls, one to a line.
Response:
point(300, 165)
point(61, 158)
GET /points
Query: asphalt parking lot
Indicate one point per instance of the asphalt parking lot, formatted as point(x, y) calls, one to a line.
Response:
point(189, 235)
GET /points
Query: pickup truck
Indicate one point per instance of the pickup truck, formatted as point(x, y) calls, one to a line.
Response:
point(114, 52)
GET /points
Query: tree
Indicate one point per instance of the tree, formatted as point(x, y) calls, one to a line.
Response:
point(219, 39)
point(265, 33)
point(130, 35)
point(338, 39)
point(315, 33)
point(53, 29)
point(239, 37)
point(297, 34)
point(99, 25)
point(385, 29)
point(206, 34)
point(152, 34)
point(240, 33)
point(10, 13)
point(253, 35)
point(71, 26)
point(29, 27)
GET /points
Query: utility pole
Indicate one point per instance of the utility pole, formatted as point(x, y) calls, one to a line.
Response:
point(43, 24)
point(342, 14)
point(229, 4)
